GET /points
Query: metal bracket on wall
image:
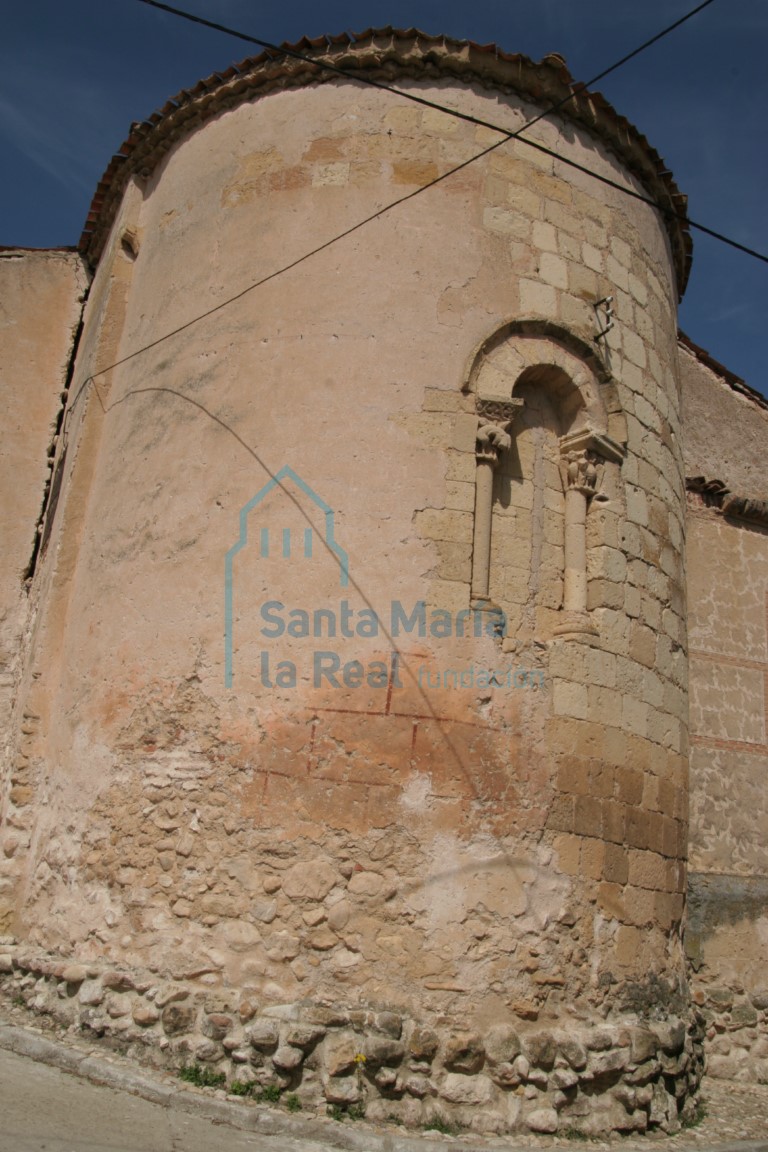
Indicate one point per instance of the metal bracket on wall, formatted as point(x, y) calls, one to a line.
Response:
point(605, 316)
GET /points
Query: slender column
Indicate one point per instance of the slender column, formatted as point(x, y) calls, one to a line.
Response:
point(494, 421)
point(579, 469)
point(582, 458)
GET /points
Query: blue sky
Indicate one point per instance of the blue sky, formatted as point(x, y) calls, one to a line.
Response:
point(73, 75)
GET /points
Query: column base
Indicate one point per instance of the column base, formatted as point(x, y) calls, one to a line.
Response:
point(575, 625)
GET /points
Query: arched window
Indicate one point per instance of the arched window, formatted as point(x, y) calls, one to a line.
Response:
point(548, 425)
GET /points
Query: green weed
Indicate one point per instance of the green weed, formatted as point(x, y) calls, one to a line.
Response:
point(202, 1077)
point(346, 1111)
point(699, 1114)
point(270, 1094)
point(440, 1125)
point(240, 1088)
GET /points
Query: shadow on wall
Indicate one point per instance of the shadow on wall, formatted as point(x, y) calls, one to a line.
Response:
point(715, 901)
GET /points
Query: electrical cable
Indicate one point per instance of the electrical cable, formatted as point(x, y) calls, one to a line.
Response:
point(324, 65)
point(505, 136)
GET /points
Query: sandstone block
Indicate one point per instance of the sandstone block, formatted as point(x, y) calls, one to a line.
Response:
point(464, 1052)
point(540, 1049)
point(118, 1005)
point(542, 1120)
point(178, 1017)
point(553, 270)
point(287, 1057)
point(502, 1044)
point(91, 992)
point(459, 1089)
point(418, 1086)
point(74, 973)
point(382, 1050)
point(312, 880)
point(216, 1025)
point(537, 299)
point(422, 1044)
point(506, 221)
point(263, 1034)
point(304, 1036)
point(339, 1052)
point(341, 1089)
point(145, 1015)
point(389, 1023)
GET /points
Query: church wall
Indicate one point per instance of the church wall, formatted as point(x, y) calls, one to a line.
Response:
point(727, 930)
point(41, 294)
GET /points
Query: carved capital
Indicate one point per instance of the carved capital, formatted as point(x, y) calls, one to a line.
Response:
point(494, 419)
point(580, 471)
point(583, 456)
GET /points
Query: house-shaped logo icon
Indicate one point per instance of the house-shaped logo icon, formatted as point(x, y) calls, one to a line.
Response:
point(290, 544)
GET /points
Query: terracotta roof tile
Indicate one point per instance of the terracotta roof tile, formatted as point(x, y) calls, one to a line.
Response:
point(380, 52)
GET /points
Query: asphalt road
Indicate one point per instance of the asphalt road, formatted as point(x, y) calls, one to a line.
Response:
point(58, 1097)
point(45, 1110)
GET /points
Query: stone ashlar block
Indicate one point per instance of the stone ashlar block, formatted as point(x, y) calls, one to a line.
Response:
point(423, 1044)
point(540, 1049)
point(264, 1035)
point(464, 1052)
point(178, 1017)
point(502, 1044)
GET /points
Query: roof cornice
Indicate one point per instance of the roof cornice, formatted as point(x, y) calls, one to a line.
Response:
point(387, 54)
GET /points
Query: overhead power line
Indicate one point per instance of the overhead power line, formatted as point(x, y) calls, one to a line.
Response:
point(505, 136)
point(327, 66)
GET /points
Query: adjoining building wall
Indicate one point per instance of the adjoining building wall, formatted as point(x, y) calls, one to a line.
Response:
point(286, 758)
point(41, 299)
point(727, 934)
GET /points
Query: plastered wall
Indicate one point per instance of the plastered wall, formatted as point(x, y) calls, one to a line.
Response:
point(41, 298)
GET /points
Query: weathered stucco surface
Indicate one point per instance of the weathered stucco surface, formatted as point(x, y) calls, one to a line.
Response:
point(41, 297)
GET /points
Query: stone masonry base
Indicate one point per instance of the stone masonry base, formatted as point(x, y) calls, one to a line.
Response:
point(630, 1075)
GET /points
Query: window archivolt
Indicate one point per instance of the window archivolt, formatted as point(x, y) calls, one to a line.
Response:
point(548, 428)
